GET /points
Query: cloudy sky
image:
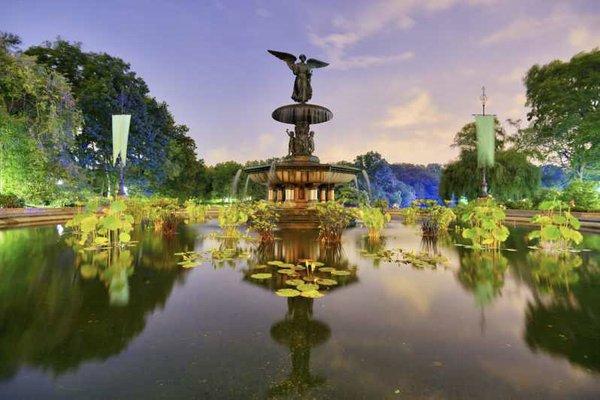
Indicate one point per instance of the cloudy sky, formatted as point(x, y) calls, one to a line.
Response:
point(405, 75)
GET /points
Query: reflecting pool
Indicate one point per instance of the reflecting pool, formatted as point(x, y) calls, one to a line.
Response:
point(76, 325)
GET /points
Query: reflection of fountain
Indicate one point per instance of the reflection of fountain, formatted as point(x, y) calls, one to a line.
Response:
point(300, 179)
point(367, 182)
point(299, 332)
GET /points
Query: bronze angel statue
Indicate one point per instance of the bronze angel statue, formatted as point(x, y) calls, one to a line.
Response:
point(303, 72)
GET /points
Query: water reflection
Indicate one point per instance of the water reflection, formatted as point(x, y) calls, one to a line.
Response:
point(59, 307)
point(300, 333)
point(482, 274)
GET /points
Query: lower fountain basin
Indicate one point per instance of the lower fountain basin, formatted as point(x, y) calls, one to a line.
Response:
point(301, 173)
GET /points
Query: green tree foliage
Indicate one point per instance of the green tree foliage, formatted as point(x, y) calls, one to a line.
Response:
point(565, 112)
point(160, 155)
point(38, 122)
point(512, 177)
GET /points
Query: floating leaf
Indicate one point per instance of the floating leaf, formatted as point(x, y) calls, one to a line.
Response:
point(312, 294)
point(286, 265)
point(326, 282)
point(340, 273)
point(294, 282)
point(309, 278)
point(260, 266)
point(274, 262)
point(287, 271)
point(317, 264)
point(287, 293)
point(263, 275)
point(307, 287)
point(510, 249)
point(298, 267)
point(326, 269)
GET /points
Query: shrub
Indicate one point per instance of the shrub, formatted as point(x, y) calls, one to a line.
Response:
point(522, 204)
point(582, 196)
point(558, 227)
point(545, 194)
point(230, 218)
point(262, 218)
point(483, 218)
point(196, 212)
point(10, 200)
point(375, 219)
point(333, 219)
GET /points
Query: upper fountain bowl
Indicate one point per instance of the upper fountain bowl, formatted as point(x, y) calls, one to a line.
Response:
point(297, 113)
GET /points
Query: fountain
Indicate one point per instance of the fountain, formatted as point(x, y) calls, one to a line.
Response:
point(299, 180)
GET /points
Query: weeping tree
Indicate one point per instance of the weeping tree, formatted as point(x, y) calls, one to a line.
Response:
point(512, 177)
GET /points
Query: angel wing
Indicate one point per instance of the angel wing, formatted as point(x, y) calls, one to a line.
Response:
point(313, 63)
point(287, 57)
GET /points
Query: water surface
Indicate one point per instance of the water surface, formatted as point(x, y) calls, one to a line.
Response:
point(516, 325)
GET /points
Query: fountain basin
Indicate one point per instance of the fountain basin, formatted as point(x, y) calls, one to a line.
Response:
point(298, 113)
point(301, 173)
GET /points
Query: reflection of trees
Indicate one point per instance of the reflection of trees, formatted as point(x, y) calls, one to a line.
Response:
point(299, 333)
point(482, 273)
point(564, 317)
point(54, 319)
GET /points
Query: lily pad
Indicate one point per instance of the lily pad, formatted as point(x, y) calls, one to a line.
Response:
point(312, 294)
point(298, 267)
point(286, 265)
point(287, 293)
point(326, 269)
point(309, 278)
point(261, 266)
point(294, 282)
point(340, 273)
point(262, 275)
point(287, 271)
point(317, 263)
point(307, 287)
point(326, 282)
point(274, 262)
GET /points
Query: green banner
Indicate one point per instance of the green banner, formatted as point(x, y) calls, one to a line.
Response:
point(120, 135)
point(486, 140)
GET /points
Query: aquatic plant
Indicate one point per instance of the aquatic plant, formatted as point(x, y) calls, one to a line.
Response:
point(375, 219)
point(230, 218)
point(434, 217)
point(554, 271)
point(483, 218)
point(558, 227)
point(195, 212)
point(163, 213)
point(112, 227)
point(333, 219)
point(262, 218)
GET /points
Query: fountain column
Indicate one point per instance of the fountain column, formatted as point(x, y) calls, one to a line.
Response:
point(289, 194)
point(322, 194)
point(313, 194)
point(271, 195)
point(330, 193)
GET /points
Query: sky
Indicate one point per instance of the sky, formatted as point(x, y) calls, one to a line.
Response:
point(404, 75)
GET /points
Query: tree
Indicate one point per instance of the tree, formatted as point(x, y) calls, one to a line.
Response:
point(565, 112)
point(38, 124)
point(221, 178)
point(513, 177)
point(104, 85)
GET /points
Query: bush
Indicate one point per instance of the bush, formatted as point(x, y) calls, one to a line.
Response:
point(333, 219)
point(582, 196)
point(543, 195)
point(523, 204)
point(10, 200)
